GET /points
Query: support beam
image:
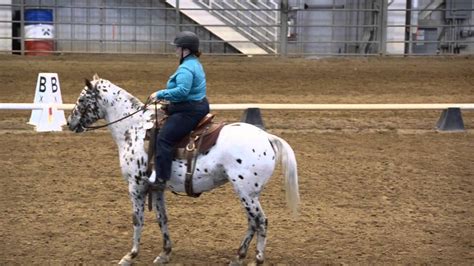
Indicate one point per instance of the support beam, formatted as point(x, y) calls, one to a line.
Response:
point(430, 7)
point(284, 9)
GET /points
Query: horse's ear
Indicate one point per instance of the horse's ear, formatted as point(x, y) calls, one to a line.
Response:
point(95, 77)
point(88, 84)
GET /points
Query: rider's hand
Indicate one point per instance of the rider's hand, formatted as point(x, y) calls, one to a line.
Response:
point(152, 97)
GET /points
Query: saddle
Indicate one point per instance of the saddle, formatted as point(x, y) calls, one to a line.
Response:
point(199, 141)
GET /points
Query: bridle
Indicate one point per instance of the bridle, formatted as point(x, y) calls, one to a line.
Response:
point(145, 106)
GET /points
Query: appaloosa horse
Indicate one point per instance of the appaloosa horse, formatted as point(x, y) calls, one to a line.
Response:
point(243, 155)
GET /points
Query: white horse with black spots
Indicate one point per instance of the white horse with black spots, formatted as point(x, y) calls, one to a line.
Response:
point(243, 155)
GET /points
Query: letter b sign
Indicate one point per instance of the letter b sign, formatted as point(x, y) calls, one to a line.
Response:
point(43, 82)
point(48, 89)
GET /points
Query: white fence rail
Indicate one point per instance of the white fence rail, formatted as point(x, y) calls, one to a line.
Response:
point(422, 106)
point(437, 106)
point(450, 120)
point(243, 106)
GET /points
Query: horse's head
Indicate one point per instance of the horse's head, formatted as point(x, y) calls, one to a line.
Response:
point(88, 108)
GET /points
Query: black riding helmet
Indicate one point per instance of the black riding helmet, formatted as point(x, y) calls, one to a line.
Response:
point(187, 39)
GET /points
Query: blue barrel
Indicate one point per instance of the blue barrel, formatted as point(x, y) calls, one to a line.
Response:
point(39, 32)
point(38, 16)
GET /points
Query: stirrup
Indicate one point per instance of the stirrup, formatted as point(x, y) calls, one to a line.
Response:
point(155, 183)
point(159, 184)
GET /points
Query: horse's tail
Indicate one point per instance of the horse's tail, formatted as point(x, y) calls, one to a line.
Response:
point(286, 156)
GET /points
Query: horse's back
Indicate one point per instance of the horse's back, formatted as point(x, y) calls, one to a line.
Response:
point(242, 135)
point(245, 141)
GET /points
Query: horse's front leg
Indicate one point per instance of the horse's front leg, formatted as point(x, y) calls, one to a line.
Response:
point(159, 198)
point(137, 196)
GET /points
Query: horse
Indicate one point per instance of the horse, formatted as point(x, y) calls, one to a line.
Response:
point(243, 155)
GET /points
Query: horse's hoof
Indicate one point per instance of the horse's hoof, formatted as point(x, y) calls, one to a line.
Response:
point(125, 263)
point(237, 262)
point(128, 259)
point(162, 259)
point(259, 259)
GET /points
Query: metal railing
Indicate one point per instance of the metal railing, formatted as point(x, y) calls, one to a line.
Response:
point(258, 20)
point(358, 27)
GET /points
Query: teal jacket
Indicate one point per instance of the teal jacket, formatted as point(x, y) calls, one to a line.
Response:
point(188, 83)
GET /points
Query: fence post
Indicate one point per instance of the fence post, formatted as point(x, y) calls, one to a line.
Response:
point(178, 18)
point(383, 27)
point(284, 27)
point(22, 27)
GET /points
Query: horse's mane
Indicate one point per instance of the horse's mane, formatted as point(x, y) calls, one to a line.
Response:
point(119, 92)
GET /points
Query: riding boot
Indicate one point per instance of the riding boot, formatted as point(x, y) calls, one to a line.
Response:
point(159, 184)
point(156, 183)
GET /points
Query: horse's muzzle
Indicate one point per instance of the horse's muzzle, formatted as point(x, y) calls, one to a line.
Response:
point(74, 125)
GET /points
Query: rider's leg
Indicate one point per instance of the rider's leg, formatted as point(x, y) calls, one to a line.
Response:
point(182, 119)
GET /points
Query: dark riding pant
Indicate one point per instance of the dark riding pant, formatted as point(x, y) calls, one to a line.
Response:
point(182, 118)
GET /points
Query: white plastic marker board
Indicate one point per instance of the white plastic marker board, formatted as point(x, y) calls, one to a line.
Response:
point(48, 92)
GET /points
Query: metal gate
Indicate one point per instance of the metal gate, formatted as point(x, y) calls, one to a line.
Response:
point(248, 27)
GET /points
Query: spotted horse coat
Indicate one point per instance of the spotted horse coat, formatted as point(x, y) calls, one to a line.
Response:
point(243, 155)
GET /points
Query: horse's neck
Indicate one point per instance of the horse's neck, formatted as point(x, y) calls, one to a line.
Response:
point(118, 103)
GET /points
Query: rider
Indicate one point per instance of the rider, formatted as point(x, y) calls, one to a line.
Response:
point(186, 92)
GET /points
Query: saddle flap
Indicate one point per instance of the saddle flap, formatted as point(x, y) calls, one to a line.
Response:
point(208, 133)
point(210, 138)
point(205, 120)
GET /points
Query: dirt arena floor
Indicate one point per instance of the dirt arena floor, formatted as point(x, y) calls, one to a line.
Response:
point(377, 187)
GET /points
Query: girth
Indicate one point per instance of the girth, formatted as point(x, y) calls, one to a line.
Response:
point(199, 141)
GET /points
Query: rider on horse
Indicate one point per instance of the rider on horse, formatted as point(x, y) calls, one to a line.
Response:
point(186, 92)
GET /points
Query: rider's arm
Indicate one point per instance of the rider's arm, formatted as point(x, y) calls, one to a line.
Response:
point(179, 86)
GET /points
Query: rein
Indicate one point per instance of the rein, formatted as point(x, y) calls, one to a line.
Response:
point(90, 128)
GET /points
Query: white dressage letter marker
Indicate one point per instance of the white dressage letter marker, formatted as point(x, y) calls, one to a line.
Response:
point(48, 92)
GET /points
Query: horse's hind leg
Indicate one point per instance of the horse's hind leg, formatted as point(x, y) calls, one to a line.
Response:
point(261, 223)
point(244, 246)
point(159, 198)
point(257, 223)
